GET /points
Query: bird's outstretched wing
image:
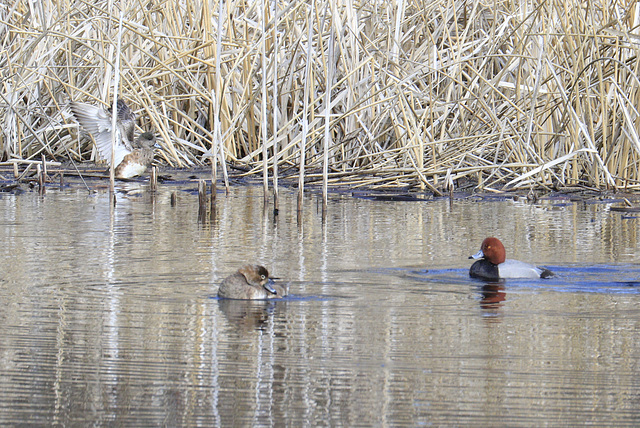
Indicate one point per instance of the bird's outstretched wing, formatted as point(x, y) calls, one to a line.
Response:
point(97, 122)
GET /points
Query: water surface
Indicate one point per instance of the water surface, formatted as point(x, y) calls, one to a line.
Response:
point(109, 316)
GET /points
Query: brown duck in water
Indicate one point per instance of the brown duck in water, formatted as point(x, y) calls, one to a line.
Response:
point(250, 282)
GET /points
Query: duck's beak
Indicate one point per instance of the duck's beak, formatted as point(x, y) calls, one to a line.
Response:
point(269, 286)
point(477, 255)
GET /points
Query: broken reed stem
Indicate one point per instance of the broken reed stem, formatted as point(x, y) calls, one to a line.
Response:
point(214, 186)
point(214, 180)
point(202, 200)
point(40, 176)
point(153, 179)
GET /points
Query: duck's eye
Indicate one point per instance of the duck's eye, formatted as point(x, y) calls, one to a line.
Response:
point(263, 277)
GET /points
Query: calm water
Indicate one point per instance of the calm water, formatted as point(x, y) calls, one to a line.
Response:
point(109, 317)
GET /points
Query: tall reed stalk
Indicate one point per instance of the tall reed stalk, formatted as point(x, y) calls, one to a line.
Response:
point(264, 119)
point(514, 94)
point(274, 112)
point(327, 124)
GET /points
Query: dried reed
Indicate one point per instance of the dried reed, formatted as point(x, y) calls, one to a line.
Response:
point(502, 94)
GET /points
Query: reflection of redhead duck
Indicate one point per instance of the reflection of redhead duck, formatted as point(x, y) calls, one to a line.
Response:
point(250, 282)
point(494, 265)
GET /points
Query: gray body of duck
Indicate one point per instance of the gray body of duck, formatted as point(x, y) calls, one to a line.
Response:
point(132, 156)
point(250, 282)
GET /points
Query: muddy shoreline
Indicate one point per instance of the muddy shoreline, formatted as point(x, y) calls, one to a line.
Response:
point(95, 177)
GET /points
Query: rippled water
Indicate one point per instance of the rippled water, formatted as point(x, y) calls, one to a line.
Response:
point(109, 316)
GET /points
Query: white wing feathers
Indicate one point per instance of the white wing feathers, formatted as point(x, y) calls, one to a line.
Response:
point(97, 122)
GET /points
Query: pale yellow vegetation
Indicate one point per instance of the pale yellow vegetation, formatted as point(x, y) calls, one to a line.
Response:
point(423, 93)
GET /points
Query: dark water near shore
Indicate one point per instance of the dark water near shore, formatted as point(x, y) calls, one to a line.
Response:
point(109, 316)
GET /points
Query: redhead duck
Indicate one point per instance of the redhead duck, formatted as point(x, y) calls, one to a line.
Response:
point(132, 156)
point(250, 282)
point(494, 264)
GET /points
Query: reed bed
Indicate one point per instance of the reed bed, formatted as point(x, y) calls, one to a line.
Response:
point(389, 93)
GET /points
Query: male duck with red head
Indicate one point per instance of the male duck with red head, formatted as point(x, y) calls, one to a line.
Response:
point(494, 265)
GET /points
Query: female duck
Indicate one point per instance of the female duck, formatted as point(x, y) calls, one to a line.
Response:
point(250, 282)
point(131, 157)
point(494, 265)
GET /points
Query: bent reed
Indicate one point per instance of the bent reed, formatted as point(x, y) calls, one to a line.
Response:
point(424, 95)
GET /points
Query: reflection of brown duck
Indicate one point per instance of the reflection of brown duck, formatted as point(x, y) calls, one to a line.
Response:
point(247, 314)
point(132, 156)
point(250, 282)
